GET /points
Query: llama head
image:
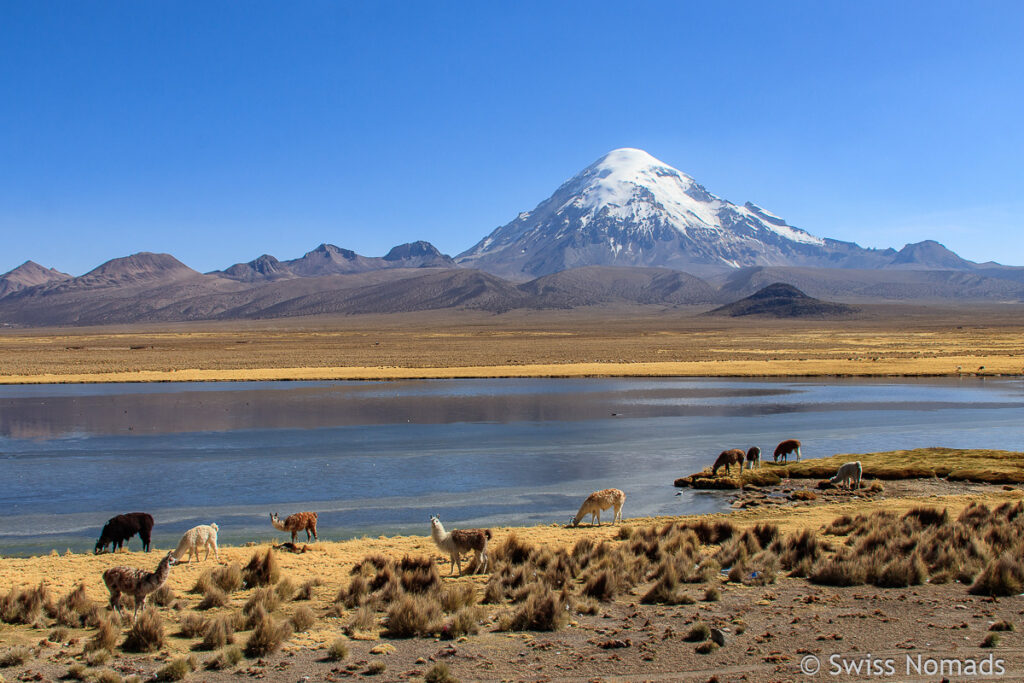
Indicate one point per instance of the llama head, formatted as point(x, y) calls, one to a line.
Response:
point(214, 526)
point(170, 559)
point(435, 522)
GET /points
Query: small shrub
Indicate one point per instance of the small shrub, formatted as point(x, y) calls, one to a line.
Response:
point(587, 606)
point(376, 668)
point(902, 572)
point(58, 635)
point(175, 670)
point(337, 651)
point(146, 634)
point(839, 571)
point(698, 633)
point(75, 608)
point(707, 647)
point(225, 659)
point(439, 673)
point(412, 615)
point(228, 579)
point(267, 635)
point(712, 595)
point(302, 619)
point(218, 633)
point(15, 656)
point(991, 640)
point(203, 583)
point(1002, 626)
point(512, 550)
point(262, 571)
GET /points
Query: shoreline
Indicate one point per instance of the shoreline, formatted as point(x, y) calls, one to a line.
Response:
point(993, 366)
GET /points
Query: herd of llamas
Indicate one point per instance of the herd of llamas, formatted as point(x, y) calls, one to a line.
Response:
point(140, 583)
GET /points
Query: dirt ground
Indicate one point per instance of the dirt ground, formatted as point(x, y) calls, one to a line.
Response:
point(886, 340)
point(768, 629)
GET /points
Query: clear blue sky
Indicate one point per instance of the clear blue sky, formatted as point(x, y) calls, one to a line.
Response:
point(218, 131)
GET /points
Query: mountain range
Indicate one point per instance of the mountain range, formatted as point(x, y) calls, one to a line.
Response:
point(628, 229)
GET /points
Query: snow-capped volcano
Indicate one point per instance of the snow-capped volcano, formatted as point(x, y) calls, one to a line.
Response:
point(631, 209)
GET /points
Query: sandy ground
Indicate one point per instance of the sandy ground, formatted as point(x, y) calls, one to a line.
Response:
point(893, 340)
point(769, 629)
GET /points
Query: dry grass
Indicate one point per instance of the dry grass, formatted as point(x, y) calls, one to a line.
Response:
point(267, 635)
point(225, 659)
point(896, 340)
point(146, 634)
point(262, 571)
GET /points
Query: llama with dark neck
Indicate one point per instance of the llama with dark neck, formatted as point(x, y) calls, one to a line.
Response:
point(137, 583)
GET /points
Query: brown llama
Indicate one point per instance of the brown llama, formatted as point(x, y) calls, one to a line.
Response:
point(753, 457)
point(458, 541)
point(137, 583)
point(300, 521)
point(727, 459)
point(785, 448)
point(597, 501)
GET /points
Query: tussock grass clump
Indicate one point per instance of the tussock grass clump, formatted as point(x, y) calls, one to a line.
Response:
point(108, 629)
point(302, 619)
point(418, 574)
point(542, 610)
point(58, 635)
point(839, 571)
point(217, 633)
point(262, 571)
point(439, 673)
point(376, 667)
point(706, 648)
point(362, 620)
point(162, 596)
point(25, 606)
point(76, 672)
point(75, 609)
point(902, 572)
point(97, 657)
point(228, 579)
point(512, 550)
point(412, 615)
point(927, 516)
point(225, 659)
point(15, 656)
point(285, 589)
point(146, 634)
point(463, 623)
point(337, 651)
point(991, 640)
point(203, 583)
point(356, 594)
point(1002, 626)
point(698, 633)
point(712, 595)
point(267, 634)
point(265, 598)
point(192, 625)
point(603, 585)
point(108, 676)
point(214, 597)
point(1001, 577)
point(305, 591)
point(176, 669)
point(455, 597)
point(665, 590)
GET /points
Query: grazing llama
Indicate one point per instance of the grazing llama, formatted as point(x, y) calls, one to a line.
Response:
point(785, 448)
point(753, 457)
point(137, 583)
point(597, 501)
point(849, 472)
point(727, 459)
point(119, 529)
point(458, 541)
point(202, 536)
point(300, 521)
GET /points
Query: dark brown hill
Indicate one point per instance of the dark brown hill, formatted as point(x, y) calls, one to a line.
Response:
point(779, 300)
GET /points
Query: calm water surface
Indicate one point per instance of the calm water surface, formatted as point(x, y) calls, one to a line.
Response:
point(380, 457)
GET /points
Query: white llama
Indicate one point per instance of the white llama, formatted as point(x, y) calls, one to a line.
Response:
point(202, 536)
point(458, 541)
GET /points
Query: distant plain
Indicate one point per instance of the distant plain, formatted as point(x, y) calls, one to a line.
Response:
point(893, 339)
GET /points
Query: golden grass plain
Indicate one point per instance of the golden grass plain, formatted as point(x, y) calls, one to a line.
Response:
point(889, 341)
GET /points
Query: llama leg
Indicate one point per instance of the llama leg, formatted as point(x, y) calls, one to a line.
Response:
point(294, 533)
point(797, 452)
